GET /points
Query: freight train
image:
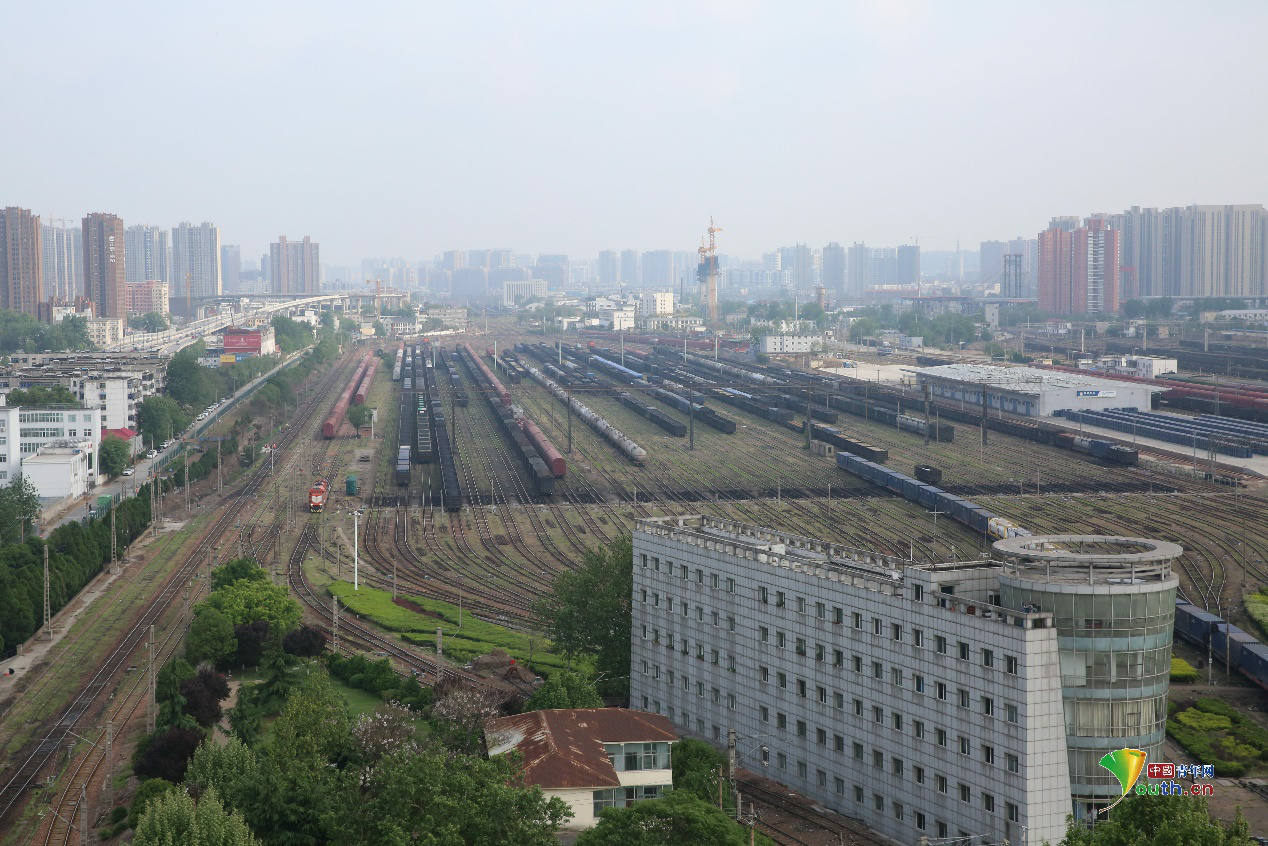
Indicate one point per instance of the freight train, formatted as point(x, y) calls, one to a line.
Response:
point(627, 447)
point(1243, 652)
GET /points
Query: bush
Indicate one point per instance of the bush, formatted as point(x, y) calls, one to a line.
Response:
point(1182, 672)
point(1202, 721)
point(1218, 706)
point(144, 794)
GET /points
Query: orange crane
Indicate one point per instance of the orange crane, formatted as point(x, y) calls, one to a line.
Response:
point(707, 274)
point(378, 295)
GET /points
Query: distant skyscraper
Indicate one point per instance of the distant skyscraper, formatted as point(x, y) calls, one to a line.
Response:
point(659, 270)
point(1079, 268)
point(196, 263)
point(552, 268)
point(63, 249)
point(908, 272)
point(148, 254)
point(231, 267)
point(453, 260)
point(629, 267)
point(295, 266)
point(858, 270)
point(105, 274)
point(609, 268)
point(21, 261)
point(992, 261)
point(801, 261)
point(1223, 251)
point(833, 275)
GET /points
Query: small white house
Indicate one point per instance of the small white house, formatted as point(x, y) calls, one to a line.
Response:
point(592, 758)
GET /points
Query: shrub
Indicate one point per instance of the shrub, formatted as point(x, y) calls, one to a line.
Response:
point(1182, 672)
point(1218, 706)
point(1202, 721)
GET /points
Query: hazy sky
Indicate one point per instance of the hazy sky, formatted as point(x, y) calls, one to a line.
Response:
point(406, 129)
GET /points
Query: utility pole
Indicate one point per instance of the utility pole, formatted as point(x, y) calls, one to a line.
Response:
point(568, 403)
point(48, 617)
point(188, 504)
point(220, 485)
point(334, 616)
point(114, 544)
point(150, 702)
point(730, 768)
point(691, 421)
point(107, 783)
point(928, 425)
point(440, 642)
point(808, 417)
point(356, 553)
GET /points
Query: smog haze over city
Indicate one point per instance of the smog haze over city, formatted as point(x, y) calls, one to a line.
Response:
point(411, 128)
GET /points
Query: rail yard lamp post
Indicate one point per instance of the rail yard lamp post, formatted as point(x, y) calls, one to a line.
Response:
point(356, 553)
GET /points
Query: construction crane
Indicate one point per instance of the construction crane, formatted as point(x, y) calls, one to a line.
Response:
point(378, 295)
point(707, 273)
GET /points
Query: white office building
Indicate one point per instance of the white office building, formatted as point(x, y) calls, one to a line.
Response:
point(516, 291)
point(786, 344)
point(24, 430)
point(60, 471)
point(655, 303)
point(950, 700)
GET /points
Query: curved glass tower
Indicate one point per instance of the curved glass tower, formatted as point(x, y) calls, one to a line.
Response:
point(1113, 605)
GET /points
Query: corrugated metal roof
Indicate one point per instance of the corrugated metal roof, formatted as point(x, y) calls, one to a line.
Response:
point(1022, 380)
point(563, 749)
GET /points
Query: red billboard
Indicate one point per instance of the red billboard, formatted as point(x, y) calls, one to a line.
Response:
point(242, 342)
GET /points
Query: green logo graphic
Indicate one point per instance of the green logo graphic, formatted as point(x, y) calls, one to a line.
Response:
point(1126, 765)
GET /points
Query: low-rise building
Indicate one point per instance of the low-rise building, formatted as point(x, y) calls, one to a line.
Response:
point(105, 331)
point(515, 291)
point(60, 470)
point(24, 430)
point(1031, 391)
point(453, 318)
point(591, 758)
point(149, 296)
point(671, 323)
point(1143, 366)
point(787, 344)
point(259, 340)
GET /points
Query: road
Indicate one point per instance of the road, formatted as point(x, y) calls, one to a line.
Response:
point(172, 341)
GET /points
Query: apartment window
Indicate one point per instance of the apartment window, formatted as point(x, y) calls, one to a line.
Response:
point(942, 830)
point(963, 696)
point(656, 600)
point(838, 658)
point(713, 656)
point(781, 679)
point(898, 810)
point(876, 625)
point(644, 596)
point(838, 699)
point(896, 720)
point(896, 676)
point(940, 644)
point(644, 668)
point(965, 794)
point(764, 674)
point(821, 737)
point(988, 658)
point(1011, 810)
point(878, 801)
point(858, 707)
point(838, 784)
point(1010, 713)
point(821, 611)
point(963, 650)
point(669, 604)
point(838, 743)
point(686, 682)
point(1010, 664)
point(918, 637)
point(781, 761)
point(643, 560)
point(918, 592)
point(801, 646)
point(1012, 762)
point(700, 651)
point(878, 759)
point(857, 661)
point(730, 585)
point(801, 605)
point(801, 728)
point(763, 634)
point(779, 599)
point(699, 688)
point(779, 639)
point(896, 631)
point(822, 778)
point(918, 728)
point(730, 623)
point(878, 670)
point(717, 695)
point(942, 691)
point(941, 736)
point(801, 688)
point(838, 615)
point(988, 753)
point(730, 663)
point(858, 751)
point(765, 755)
point(682, 572)
point(964, 745)
point(918, 684)
point(715, 618)
point(781, 720)
point(857, 619)
point(821, 652)
point(920, 821)
point(763, 594)
point(988, 706)
point(918, 774)
point(940, 782)
point(699, 577)
point(878, 714)
point(686, 607)
point(823, 694)
point(764, 712)
point(858, 793)
point(699, 613)
point(715, 582)
point(896, 766)
point(644, 632)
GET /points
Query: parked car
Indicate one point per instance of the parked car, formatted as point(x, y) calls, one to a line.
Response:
point(152, 454)
point(202, 416)
point(128, 471)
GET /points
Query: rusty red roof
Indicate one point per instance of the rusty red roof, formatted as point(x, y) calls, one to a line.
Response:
point(563, 748)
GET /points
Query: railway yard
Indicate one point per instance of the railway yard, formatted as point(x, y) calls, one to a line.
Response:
point(479, 524)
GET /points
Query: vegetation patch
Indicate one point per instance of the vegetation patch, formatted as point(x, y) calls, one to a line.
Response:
point(1257, 608)
point(1182, 672)
point(473, 639)
point(1214, 732)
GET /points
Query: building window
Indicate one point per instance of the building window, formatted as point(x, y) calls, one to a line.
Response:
point(764, 595)
point(940, 781)
point(858, 751)
point(918, 684)
point(878, 714)
point(965, 794)
point(1010, 713)
point(858, 793)
point(838, 616)
point(858, 707)
point(942, 691)
point(781, 761)
point(896, 676)
point(1012, 762)
point(730, 623)
point(821, 611)
point(838, 699)
point(1011, 810)
point(988, 706)
point(822, 778)
point(713, 656)
point(801, 646)
point(764, 674)
point(963, 696)
point(763, 634)
point(715, 618)
point(821, 737)
point(838, 743)
point(782, 680)
point(963, 650)
point(779, 639)
point(699, 688)
point(717, 695)
point(918, 728)
point(878, 670)
point(699, 613)
point(920, 821)
point(781, 720)
point(838, 785)
point(715, 581)
point(988, 658)
point(779, 599)
point(940, 644)
point(876, 625)
point(918, 775)
point(897, 721)
point(942, 830)
point(1010, 665)
point(823, 694)
point(821, 652)
point(857, 661)
point(682, 572)
point(801, 728)
point(964, 745)
point(898, 810)
point(988, 753)
point(764, 712)
point(941, 736)
point(730, 663)
point(858, 619)
point(838, 658)
point(878, 759)
point(699, 577)
point(801, 605)
point(896, 631)
point(896, 766)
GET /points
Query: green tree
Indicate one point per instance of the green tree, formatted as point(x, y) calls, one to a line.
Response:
point(188, 382)
point(677, 819)
point(696, 767)
point(456, 800)
point(231, 768)
point(1160, 821)
point(1132, 309)
point(246, 601)
point(564, 689)
point(864, 327)
point(291, 335)
point(175, 817)
point(588, 611)
point(210, 638)
point(149, 322)
point(359, 415)
point(160, 418)
point(235, 571)
point(44, 395)
point(19, 509)
point(146, 793)
point(113, 455)
point(380, 331)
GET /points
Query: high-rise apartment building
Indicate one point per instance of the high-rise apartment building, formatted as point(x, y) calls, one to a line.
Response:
point(629, 274)
point(832, 275)
point(453, 260)
point(295, 266)
point(231, 268)
point(490, 259)
point(659, 269)
point(21, 261)
point(105, 274)
point(609, 268)
point(799, 259)
point(553, 268)
point(1079, 268)
point(195, 263)
point(991, 255)
point(908, 265)
point(858, 270)
point(149, 256)
point(63, 250)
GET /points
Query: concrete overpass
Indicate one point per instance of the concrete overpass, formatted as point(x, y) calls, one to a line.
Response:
point(171, 341)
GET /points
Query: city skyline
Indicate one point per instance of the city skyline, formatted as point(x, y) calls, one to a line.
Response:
point(657, 135)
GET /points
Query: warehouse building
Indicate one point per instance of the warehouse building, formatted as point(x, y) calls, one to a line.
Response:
point(1030, 391)
point(951, 700)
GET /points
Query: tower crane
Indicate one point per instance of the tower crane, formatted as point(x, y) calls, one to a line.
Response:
point(378, 295)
